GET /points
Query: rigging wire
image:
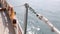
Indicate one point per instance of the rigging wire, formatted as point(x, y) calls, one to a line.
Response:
point(19, 6)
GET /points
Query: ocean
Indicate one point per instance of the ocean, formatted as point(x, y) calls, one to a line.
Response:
point(48, 8)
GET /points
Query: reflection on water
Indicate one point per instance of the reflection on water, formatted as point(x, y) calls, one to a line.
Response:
point(48, 8)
